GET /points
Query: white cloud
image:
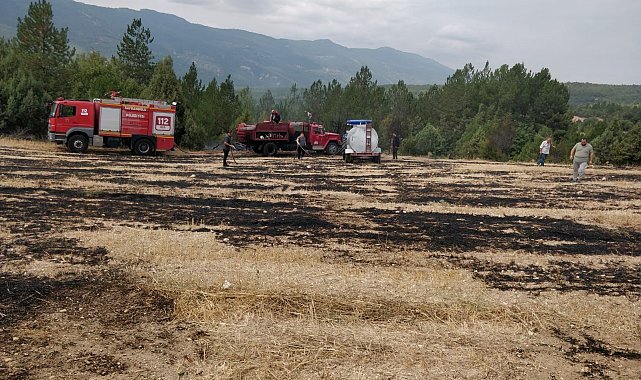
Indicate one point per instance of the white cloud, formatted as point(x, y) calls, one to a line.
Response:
point(578, 40)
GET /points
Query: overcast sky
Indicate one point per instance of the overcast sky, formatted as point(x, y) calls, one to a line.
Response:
point(596, 41)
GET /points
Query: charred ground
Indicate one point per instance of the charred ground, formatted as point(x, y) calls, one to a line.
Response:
point(451, 211)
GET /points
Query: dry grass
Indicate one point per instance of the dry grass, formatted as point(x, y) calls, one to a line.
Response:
point(287, 313)
point(40, 145)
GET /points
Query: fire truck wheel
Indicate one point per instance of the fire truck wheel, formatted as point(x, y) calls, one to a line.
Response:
point(331, 149)
point(270, 149)
point(78, 143)
point(143, 147)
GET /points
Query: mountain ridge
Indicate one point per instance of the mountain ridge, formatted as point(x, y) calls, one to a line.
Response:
point(252, 59)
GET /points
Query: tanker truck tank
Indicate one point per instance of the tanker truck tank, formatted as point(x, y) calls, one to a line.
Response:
point(362, 141)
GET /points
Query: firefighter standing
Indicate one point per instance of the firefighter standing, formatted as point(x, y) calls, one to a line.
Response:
point(396, 142)
point(300, 146)
point(275, 118)
point(227, 145)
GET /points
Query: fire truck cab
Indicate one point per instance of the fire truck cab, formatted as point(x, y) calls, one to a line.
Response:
point(144, 126)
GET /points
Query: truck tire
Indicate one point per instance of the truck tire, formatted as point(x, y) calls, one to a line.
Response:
point(349, 158)
point(78, 143)
point(143, 147)
point(377, 159)
point(331, 149)
point(270, 149)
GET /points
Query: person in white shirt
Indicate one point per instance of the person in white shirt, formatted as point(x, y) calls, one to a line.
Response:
point(544, 151)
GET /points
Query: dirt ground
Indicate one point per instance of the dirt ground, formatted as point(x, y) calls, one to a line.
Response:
point(88, 291)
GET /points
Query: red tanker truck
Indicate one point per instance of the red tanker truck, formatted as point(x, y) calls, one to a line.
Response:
point(268, 137)
point(144, 126)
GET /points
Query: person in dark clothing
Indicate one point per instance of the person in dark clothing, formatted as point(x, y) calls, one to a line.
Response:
point(300, 146)
point(275, 118)
point(227, 145)
point(396, 142)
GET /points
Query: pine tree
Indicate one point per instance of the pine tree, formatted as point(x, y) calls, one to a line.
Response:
point(191, 86)
point(363, 95)
point(265, 104)
point(401, 108)
point(134, 53)
point(44, 49)
point(163, 83)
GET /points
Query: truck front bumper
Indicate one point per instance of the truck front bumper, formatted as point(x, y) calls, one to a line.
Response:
point(57, 137)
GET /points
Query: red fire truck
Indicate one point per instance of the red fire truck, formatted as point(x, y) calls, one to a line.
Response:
point(144, 126)
point(268, 138)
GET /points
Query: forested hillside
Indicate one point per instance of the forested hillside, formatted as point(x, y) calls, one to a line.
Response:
point(589, 93)
point(497, 114)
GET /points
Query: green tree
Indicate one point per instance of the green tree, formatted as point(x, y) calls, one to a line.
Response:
point(427, 107)
point(195, 134)
point(134, 54)
point(314, 99)
point(427, 141)
point(93, 76)
point(453, 105)
point(363, 97)
point(247, 106)
point(475, 135)
point(265, 105)
point(499, 139)
point(527, 140)
point(218, 109)
point(33, 69)
point(163, 83)
point(400, 103)
point(619, 144)
point(337, 111)
point(191, 87)
point(44, 49)
point(189, 96)
point(24, 110)
point(227, 106)
point(292, 107)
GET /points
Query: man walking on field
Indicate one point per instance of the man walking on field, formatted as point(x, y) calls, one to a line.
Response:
point(227, 145)
point(300, 146)
point(581, 155)
point(544, 151)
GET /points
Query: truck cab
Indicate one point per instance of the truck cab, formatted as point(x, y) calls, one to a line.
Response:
point(69, 118)
point(320, 140)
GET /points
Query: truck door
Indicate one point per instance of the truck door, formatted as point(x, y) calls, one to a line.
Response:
point(74, 115)
point(316, 137)
point(66, 115)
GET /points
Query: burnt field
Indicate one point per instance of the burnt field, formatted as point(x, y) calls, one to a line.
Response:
point(118, 266)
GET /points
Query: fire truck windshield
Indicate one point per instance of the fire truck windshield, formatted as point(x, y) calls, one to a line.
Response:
point(54, 108)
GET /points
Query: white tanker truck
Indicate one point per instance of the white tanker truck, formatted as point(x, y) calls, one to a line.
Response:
point(361, 142)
